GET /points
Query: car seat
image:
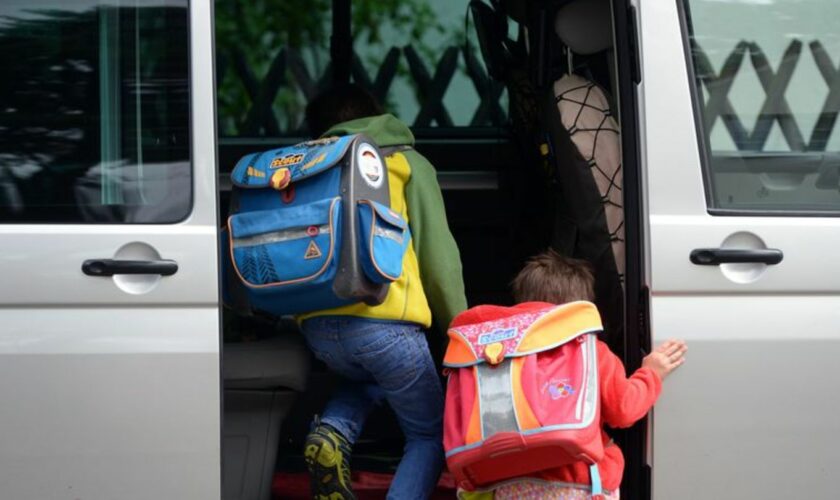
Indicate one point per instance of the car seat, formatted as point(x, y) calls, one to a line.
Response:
point(586, 112)
point(262, 379)
point(584, 147)
point(576, 212)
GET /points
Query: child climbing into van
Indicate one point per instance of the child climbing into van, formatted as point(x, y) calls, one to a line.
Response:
point(381, 352)
point(555, 292)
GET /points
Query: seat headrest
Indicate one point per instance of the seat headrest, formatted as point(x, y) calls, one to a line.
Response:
point(585, 26)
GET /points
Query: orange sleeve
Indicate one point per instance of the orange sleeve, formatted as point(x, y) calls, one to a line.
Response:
point(624, 400)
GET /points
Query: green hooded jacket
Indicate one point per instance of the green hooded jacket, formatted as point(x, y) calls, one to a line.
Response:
point(419, 199)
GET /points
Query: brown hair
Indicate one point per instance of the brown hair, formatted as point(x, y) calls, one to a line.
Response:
point(550, 277)
point(338, 104)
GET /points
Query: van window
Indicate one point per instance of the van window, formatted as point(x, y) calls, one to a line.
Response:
point(768, 94)
point(271, 58)
point(274, 55)
point(94, 120)
point(438, 81)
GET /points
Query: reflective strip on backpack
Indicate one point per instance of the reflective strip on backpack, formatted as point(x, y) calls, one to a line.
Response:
point(388, 233)
point(590, 404)
point(587, 381)
point(496, 407)
point(278, 236)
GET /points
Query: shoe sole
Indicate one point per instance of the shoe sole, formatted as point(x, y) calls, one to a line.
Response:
point(322, 457)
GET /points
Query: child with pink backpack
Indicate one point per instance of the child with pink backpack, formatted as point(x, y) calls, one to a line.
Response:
point(531, 387)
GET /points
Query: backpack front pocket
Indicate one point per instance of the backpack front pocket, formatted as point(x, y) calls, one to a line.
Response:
point(286, 246)
point(384, 237)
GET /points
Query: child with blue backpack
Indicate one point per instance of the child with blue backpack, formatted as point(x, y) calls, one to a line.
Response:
point(381, 352)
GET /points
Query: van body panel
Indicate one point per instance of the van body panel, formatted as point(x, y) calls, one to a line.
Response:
point(111, 385)
point(752, 412)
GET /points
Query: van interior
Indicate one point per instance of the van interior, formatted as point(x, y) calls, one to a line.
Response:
point(514, 182)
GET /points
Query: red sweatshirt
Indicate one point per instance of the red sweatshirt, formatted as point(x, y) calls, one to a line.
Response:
point(623, 402)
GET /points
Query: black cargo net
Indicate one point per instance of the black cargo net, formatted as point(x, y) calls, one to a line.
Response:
point(609, 187)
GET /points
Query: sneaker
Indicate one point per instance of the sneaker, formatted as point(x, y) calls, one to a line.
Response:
point(327, 456)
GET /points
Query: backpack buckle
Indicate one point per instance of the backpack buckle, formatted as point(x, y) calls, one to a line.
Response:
point(281, 179)
point(494, 353)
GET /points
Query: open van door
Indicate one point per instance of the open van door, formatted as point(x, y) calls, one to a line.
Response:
point(109, 320)
point(739, 107)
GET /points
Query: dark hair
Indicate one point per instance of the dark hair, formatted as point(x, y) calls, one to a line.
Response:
point(337, 104)
point(550, 277)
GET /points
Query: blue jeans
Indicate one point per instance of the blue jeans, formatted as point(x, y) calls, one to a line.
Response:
point(385, 360)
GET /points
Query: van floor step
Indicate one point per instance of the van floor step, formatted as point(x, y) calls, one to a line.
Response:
point(366, 486)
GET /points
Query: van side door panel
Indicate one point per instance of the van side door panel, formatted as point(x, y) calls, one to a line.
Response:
point(110, 384)
point(732, 96)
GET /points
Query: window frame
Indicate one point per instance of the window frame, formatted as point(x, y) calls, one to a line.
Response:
point(704, 148)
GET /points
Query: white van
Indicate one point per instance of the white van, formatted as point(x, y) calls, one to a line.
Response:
point(113, 166)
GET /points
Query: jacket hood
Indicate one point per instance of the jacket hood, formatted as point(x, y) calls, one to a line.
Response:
point(386, 130)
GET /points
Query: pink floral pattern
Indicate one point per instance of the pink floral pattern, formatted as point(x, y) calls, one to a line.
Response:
point(520, 323)
point(543, 490)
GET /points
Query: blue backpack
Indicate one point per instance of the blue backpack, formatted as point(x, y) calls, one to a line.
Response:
point(311, 228)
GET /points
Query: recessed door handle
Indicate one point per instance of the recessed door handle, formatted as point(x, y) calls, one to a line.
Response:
point(718, 256)
point(110, 267)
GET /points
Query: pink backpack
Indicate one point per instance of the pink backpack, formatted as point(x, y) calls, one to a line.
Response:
point(523, 392)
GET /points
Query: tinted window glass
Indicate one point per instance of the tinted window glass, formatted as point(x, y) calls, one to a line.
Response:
point(769, 94)
point(271, 57)
point(274, 55)
point(94, 125)
point(439, 81)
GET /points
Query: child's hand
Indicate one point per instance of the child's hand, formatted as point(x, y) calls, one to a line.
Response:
point(666, 358)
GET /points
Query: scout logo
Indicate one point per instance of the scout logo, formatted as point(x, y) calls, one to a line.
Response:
point(287, 161)
point(312, 251)
point(280, 179)
point(370, 166)
point(499, 335)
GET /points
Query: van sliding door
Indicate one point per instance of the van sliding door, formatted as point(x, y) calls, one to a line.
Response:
point(743, 198)
point(109, 320)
